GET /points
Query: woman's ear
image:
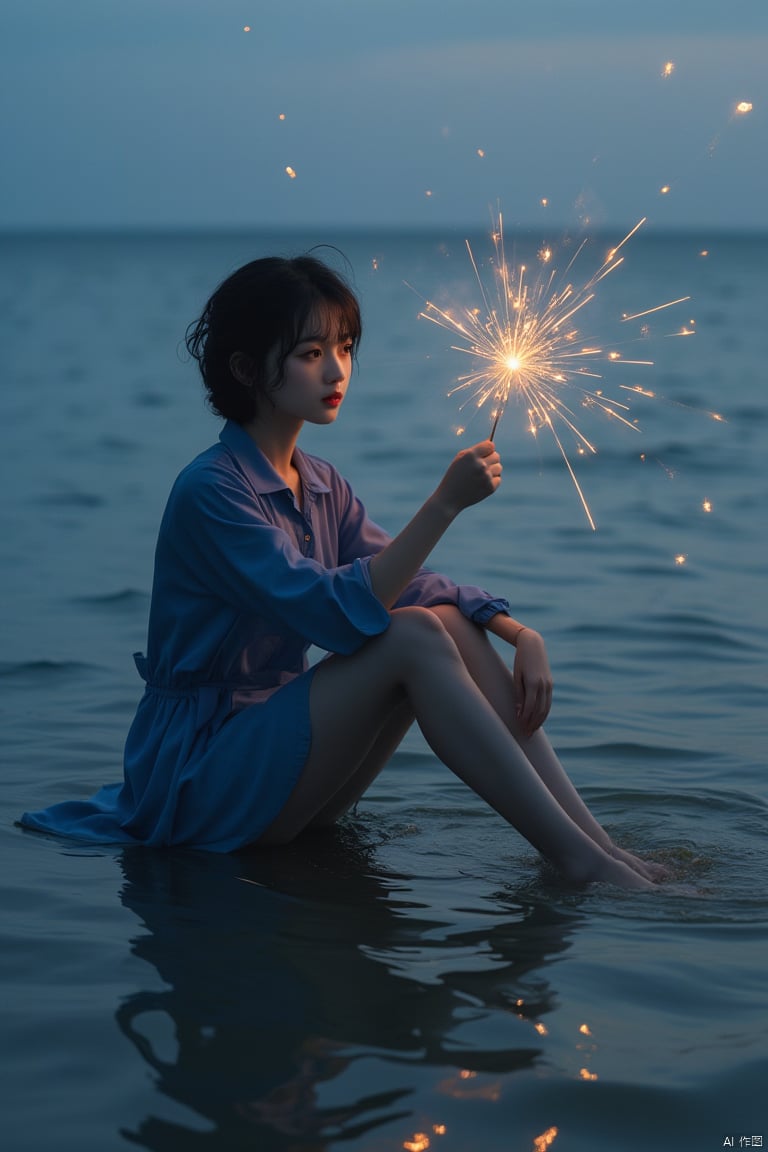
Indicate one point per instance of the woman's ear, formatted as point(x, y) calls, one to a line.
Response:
point(243, 369)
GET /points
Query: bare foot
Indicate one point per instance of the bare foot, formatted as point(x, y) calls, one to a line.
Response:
point(646, 868)
point(602, 868)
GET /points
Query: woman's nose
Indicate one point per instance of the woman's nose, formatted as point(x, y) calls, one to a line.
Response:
point(334, 367)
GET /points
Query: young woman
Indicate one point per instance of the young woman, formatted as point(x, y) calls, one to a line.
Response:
point(264, 550)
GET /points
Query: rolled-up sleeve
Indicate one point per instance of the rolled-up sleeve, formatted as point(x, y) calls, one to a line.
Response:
point(214, 528)
point(361, 536)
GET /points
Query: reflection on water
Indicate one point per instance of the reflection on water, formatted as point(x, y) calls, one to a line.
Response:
point(284, 968)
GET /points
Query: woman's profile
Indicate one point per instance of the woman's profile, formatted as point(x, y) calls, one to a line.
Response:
point(264, 550)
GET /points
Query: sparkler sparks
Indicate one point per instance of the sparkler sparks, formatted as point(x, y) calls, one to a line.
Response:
point(524, 343)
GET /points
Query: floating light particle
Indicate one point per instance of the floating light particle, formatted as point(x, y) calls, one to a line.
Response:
point(439, 1129)
point(460, 430)
point(281, 116)
point(419, 1142)
point(664, 190)
point(481, 152)
point(545, 254)
point(668, 68)
point(585, 1030)
point(290, 172)
point(544, 202)
point(246, 28)
point(541, 1029)
point(614, 355)
point(704, 252)
point(743, 107)
point(585, 1074)
point(680, 559)
point(706, 505)
point(375, 264)
point(428, 192)
point(466, 1074)
point(545, 1140)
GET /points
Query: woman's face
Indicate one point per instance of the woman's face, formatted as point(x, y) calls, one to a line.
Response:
point(316, 374)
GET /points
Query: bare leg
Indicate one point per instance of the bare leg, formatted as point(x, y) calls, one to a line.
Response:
point(381, 751)
point(351, 699)
point(494, 680)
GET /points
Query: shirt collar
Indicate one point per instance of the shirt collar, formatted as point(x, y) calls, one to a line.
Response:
point(262, 475)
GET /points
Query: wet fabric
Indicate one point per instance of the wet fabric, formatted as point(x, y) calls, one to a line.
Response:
point(246, 580)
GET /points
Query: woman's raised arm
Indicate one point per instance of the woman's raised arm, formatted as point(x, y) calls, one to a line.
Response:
point(472, 476)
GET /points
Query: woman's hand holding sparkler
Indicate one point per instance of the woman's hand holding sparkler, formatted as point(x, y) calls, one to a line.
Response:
point(472, 476)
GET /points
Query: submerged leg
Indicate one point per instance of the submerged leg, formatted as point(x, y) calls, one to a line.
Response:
point(416, 660)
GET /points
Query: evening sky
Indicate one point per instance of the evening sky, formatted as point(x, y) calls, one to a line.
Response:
point(390, 113)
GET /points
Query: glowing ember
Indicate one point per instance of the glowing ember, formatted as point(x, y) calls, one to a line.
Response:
point(585, 1074)
point(524, 343)
point(290, 172)
point(247, 28)
point(546, 1140)
point(664, 190)
point(743, 107)
point(706, 505)
point(585, 1030)
point(668, 68)
point(419, 1142)
point(680, 559)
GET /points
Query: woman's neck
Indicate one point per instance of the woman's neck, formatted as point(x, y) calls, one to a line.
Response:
point(278, 445)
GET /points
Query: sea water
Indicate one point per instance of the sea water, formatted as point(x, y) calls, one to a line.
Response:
point(416, 979)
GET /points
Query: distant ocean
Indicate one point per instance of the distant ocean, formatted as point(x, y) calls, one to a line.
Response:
point(415, 980)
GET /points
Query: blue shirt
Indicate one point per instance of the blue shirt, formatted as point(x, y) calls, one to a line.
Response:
point(245, 581)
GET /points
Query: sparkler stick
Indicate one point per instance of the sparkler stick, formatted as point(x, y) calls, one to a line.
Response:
point(524, 343)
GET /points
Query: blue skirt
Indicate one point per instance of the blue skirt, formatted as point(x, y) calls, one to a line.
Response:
point(197, 772)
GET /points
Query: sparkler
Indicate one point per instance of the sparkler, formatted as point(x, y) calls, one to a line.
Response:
point(525, 343)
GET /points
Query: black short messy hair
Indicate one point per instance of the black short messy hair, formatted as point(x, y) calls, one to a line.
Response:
point(260, 312)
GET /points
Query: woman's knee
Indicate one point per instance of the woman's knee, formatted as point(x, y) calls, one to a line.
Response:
point(420, 634)
point(416, 623)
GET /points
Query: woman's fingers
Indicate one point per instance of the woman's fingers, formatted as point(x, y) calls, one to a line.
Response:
point(473, 475)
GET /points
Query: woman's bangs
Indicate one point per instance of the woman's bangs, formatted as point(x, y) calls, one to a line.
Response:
point(333, 321)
